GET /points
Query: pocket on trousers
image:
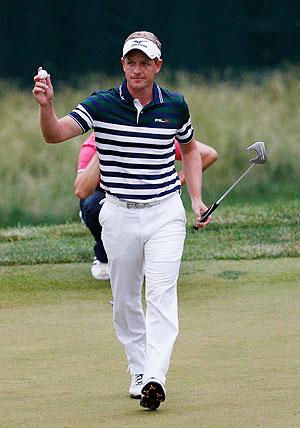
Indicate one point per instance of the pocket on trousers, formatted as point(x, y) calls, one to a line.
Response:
point(102, 214)
point(108, 215)
point(182, 210)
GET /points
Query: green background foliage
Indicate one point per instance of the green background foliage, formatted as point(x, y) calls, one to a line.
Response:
point(76, 37)
point(37, 179)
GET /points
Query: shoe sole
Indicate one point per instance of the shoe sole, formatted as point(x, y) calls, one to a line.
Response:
point(152, 395)
point(135, 397)
point(101, 278)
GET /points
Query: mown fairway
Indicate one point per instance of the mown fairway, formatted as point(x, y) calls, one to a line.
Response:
point(235, 364)
point(236, 361)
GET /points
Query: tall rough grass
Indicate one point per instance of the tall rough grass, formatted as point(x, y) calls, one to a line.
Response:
point(37, 179)
point(231, 115)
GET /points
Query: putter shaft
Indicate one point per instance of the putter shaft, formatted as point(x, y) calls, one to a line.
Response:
point(234, 184)
point(217, 203)
point(261, 158)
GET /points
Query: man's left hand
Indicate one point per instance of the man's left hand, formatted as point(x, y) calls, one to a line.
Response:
point(199, 209)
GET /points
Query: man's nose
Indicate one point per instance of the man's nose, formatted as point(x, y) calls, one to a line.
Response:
point(137, 69)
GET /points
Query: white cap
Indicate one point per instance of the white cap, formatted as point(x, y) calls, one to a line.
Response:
point(144, 45)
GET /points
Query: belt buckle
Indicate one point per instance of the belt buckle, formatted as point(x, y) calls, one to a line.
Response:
point(131, 205)
point(140, 204)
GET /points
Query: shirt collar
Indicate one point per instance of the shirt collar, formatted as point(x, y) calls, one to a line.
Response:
point(126, 97)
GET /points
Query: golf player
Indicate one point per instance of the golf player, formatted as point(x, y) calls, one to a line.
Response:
point(143, 218)
point(87, 188)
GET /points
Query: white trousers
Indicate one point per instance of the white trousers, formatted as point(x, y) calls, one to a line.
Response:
point(145, 242)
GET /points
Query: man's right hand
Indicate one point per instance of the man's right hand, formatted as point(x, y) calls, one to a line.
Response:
point(53, 129)
point(43, 90)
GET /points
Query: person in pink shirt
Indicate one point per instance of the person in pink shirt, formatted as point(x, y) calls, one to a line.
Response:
point(86, 188)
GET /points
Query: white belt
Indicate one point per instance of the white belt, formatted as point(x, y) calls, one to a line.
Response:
point(116, 201)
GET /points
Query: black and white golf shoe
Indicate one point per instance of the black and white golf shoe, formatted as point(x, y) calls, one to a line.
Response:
point(136, 385)
point(153, 393)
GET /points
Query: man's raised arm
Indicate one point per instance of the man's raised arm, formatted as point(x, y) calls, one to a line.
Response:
point(54, 130)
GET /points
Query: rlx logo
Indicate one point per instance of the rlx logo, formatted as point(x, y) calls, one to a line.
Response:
point(161, 120)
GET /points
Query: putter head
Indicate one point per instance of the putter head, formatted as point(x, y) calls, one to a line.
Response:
point(260, 150)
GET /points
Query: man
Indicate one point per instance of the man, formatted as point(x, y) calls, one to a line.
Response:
point(142, 219)
point(87, 188)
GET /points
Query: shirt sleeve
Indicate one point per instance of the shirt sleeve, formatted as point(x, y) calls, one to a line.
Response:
point(87, 151)
point(84, 113)
point(185, 133)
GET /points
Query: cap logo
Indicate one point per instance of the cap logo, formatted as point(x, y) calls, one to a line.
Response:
point(139, 43)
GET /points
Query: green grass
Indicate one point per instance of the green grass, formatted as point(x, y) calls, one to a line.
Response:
point(37, 179)
point(241, 231)
point(236, 360)
point(235, 363)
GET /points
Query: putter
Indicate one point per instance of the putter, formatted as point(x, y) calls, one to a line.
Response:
point(261, 158)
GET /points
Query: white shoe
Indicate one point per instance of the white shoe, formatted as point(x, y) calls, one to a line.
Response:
point(81, 218)
point(136, 385)
point(99, 270)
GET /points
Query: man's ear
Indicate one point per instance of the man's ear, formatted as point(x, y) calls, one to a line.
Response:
point(158, 65)
point(122, 60)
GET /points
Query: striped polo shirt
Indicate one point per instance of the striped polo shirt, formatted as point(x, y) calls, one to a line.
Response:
point(135, 143)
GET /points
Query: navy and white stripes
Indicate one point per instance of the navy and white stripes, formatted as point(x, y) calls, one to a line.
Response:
point(136, 149)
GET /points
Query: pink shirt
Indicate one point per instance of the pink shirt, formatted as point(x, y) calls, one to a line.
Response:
point(87, 151)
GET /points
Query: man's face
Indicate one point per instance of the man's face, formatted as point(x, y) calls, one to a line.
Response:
point(140, 70)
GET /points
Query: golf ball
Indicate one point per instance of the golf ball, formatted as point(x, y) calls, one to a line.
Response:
point(42, 74)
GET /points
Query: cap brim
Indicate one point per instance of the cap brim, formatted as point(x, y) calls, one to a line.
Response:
point(149, 48)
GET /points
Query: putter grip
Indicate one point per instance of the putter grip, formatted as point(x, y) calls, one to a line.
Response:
point(207, 213)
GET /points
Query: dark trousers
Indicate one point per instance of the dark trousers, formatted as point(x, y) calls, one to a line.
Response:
point(90, 209)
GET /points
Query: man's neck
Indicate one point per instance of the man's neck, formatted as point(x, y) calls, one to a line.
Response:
point(145, 96)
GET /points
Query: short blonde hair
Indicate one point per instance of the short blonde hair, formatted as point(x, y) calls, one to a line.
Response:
point(145, 35)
